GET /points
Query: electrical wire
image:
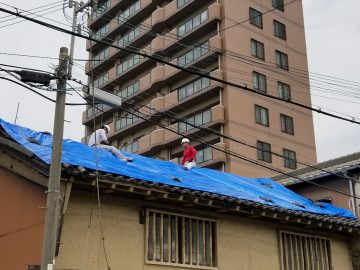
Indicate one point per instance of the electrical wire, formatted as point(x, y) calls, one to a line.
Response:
point(231, 153)
point(59, 29)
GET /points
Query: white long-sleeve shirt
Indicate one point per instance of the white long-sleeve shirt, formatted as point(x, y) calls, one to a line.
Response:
point(97, 137)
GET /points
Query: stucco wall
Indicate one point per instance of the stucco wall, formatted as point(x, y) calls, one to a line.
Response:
point(243, 243)
point(21, 221)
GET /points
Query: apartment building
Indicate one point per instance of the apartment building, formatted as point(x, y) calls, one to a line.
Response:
point(230, 40)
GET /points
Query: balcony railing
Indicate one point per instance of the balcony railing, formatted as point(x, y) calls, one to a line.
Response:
point(128, 63)
point(101, 79)
point(129, 90)
point(131, 147)
point(102, 32)
point(128, 37)
point(193, 87)
point(193, 23)
point(100, 56)
point(101, 9)
point(180, 3)
point(130, 10)
point(194, 54)
point(125, 121)
point(203, 155)
point(99, 108)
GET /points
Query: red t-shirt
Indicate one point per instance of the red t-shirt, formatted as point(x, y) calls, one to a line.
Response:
point(188, 155)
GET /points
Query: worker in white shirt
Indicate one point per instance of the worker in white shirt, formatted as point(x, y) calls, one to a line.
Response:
point(99, 139)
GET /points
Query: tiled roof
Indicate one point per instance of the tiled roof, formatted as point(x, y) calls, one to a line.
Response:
point(336, 166)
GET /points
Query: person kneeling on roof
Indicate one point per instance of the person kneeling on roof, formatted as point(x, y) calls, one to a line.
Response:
point(189, 154)
point(99, 139)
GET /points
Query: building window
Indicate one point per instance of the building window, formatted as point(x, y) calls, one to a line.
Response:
point(255, 17)
point(302, 251)
point(194, 54)
point(103, 54)
point(129, 90)
point(129, 11)
point(280, 30)
point(98, 108)
point(125, 121)
point(261, 115)
point(101, 79)
point(287, 124)
point(180, 3)
point(279, 4)
point(289, 159)
point(263, 151)
point(257, 49)
point(180, 240)
point(198, 119)
point(284, 91)
point(131, 147)
point(101, 9)
point(281, 60)
point(193, 87)
point(99, 34)
point(128, 64)
point(128, 37)
point(193, 23)
point(259, 81)
point(204, 155)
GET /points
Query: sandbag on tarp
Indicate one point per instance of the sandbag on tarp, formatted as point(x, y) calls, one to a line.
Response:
point(262, 190)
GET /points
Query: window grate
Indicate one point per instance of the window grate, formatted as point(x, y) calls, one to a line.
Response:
point(304, 252)
point(180, 240)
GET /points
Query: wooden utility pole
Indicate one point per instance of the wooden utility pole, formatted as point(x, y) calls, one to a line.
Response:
point(53, 192)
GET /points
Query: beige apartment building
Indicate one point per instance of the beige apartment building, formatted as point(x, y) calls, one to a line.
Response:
point(231, 40)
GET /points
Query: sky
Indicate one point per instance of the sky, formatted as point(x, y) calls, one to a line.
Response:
point(332, 34)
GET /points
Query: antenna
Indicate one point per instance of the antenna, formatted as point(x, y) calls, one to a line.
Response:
point(17, 111)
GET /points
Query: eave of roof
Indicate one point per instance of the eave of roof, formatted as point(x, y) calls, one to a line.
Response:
point(115, 183)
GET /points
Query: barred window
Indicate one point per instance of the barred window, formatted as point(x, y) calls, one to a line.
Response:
point(259, 81)
point(257, 49)
point(289, 159)
point(280, 30)
point(261, 115)
point(264, 151)
point(255, 18)
point(284, 91)
point(281, 60)
point(302, 252)
point(279, 4)
point(180, 240)
point(287, 124)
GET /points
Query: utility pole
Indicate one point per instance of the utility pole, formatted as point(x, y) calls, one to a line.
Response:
point(53, 192)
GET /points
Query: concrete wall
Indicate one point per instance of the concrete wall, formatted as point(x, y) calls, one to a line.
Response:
point(243, 243)
point(21, 221)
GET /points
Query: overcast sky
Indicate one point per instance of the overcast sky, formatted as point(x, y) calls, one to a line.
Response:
point(333, 42)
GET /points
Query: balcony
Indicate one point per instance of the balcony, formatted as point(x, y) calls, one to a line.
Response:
point(127, 20)
point(201, 24)
point(172, 13)
point(96, 113)
point(164, 137)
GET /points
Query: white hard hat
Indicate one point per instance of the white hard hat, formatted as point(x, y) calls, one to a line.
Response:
point(185, 140)
point(107, 127)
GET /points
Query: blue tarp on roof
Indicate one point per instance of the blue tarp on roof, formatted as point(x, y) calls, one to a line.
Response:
point(148, 169)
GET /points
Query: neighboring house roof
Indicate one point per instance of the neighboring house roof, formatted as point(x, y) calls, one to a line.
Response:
point(260, 197)
point(337, 166)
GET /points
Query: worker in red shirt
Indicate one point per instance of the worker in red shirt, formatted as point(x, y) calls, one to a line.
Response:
point(188, 160)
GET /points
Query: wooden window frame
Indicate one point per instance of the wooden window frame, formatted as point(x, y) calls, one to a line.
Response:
point(180, 244)
point(302, 260)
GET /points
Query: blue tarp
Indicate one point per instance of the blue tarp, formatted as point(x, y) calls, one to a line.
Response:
point(148, 169)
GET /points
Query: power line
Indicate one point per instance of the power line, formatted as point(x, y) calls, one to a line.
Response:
point(231, 153)
point(59, 29)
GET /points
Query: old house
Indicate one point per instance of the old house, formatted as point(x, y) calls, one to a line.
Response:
point(341, 174)
point(151, 214)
